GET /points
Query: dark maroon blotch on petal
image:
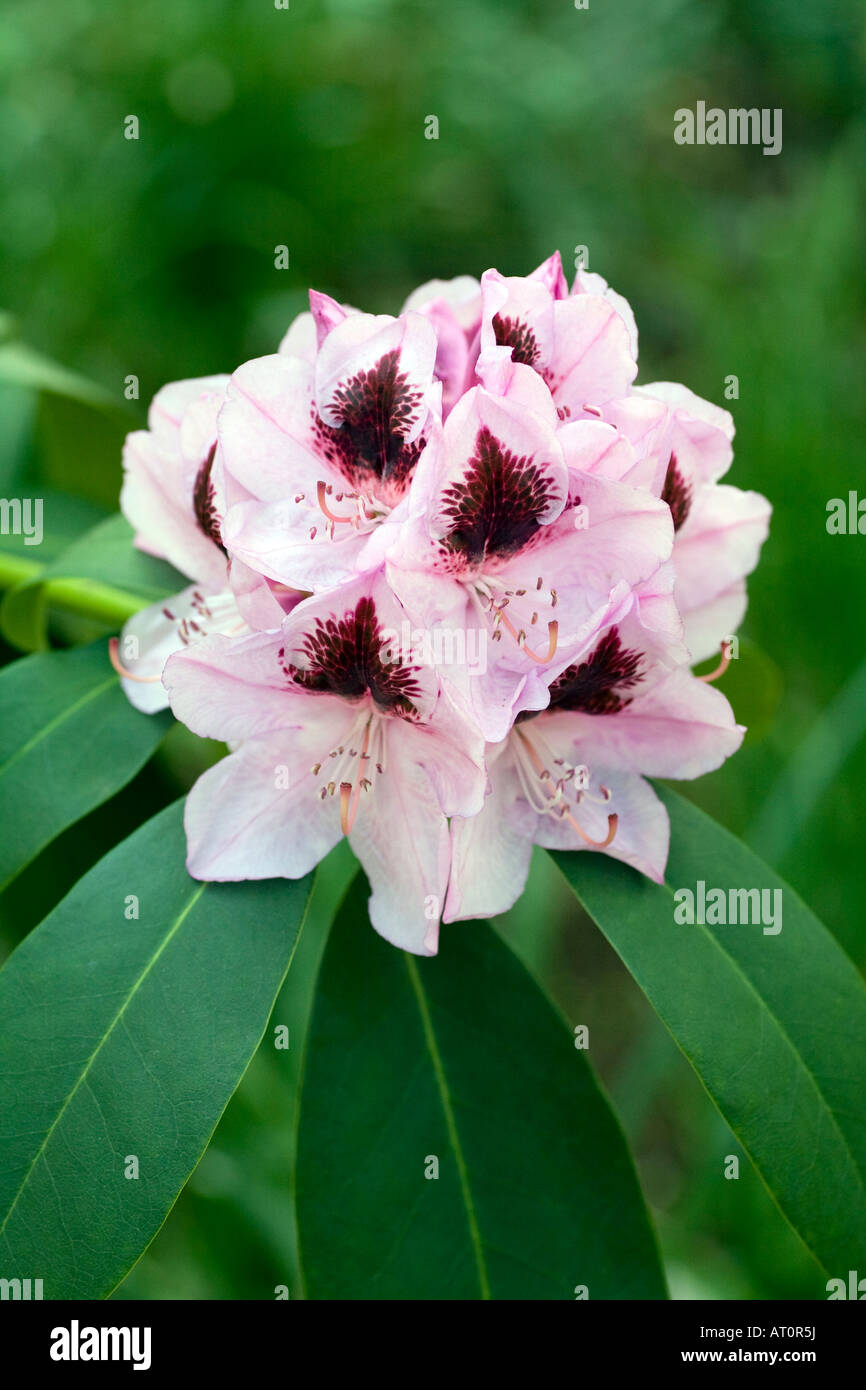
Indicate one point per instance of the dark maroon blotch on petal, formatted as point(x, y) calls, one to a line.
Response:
point(344, 657)
point(677, 493)
point(376, 409)
point(204, 502)
point(496, 508)
point(595, 686)
point(519, 337)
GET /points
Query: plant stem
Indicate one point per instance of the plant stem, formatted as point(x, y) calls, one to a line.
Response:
point(16, 569)
point(86, 598)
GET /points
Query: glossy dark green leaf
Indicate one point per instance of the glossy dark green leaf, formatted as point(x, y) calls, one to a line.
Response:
point(69, 739)
point(459, 1059)
point(122, 1038)
point(774, 1022)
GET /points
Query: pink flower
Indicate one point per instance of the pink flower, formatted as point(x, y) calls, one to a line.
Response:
point(170, 496)
point(719, 530)
point(168, 493)
point(508, 556)
point(682, 443)
point(581, 346)
point(571, 777)
point(333, 736)
point(682, 447)
point(318, 454)
point(508, 540)
point(454, 309)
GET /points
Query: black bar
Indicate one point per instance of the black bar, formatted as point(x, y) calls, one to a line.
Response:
point(259, 1337)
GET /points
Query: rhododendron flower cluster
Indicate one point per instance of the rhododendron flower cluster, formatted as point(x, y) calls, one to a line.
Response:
point(449, 573)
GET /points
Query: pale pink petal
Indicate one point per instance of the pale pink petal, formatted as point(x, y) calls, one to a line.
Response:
point(580, 345)
point(552, 276)
point(171, 403)
point(522, 387)
point(701, 433)
point(591, 446)
point(358, 346)
point(151, 636)
point(646, 424)
point(592, 361)
point(679, 727)
point(719, 543)
point(450, 749)
point(491, 852)
point(401, 838)
point(708, 625)
point(517, 322)
point(266, 431)
point(258, 813)
point(462, 295)
point(484, 429)
point(327, 313)
point(300, 338)
point(643, 828)
point(166, 481)
point(262, 604)
point(364, 623)
point(454, 309)
point(232, 688)
point(588, 282)
point(610, 533)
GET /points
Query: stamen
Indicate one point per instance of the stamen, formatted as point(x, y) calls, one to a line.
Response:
point(555, 791)
point(321, 492)
point(345, 797)
point(348, 802)
point(612, 823)
point(520, 638)
point(121, 669)
point(722, 666)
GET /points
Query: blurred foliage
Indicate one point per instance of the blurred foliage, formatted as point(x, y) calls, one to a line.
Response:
point(305, 127)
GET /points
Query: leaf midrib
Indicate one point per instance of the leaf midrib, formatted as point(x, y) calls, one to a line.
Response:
point(137, 983)
point(450, 1122)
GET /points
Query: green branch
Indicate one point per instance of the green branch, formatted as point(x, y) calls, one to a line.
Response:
point(88, 599)
point(83, 598)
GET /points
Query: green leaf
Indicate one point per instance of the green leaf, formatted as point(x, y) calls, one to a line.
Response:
point(774, 1024)
point(463, 1059)
point(100, 575)
point(814, 766)
point(124, 1038)
point(69, 739)
point(24, 366)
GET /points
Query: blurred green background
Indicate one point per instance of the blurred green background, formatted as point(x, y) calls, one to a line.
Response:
point(305, 127)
